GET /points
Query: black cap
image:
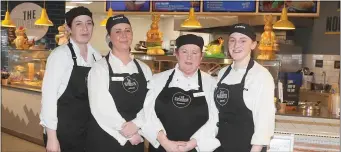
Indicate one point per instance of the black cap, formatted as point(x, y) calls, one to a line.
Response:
point(112, 21)
point(74, 12)
point(245, 29)
point(190, 39)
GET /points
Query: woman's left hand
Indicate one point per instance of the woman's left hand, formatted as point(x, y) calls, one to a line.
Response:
point(189, 145)
point(129, 129)
point(135, 139)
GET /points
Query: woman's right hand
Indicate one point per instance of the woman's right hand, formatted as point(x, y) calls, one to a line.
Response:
point(168, 145)
point(173, 146)
point(52, 141)
point(52, 145)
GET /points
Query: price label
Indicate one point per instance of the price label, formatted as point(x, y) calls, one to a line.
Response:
point(281, 143)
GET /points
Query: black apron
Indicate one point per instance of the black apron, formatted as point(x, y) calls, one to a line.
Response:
point(73, 109)
point(236, 126)
point(180, 113)
point(129, 96)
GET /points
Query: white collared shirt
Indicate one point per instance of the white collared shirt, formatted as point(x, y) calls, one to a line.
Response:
point(57, 75)
point(259, 98)
point(102, 104)
point(205, 136)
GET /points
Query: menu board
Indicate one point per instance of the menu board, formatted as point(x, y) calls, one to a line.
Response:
point(128, 6)
point(229, 6)
point(292, 6)
point(175, 6)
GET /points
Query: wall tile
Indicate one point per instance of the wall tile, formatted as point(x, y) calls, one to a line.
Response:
point(327, 57)
point(295, 56)
point(335, 58)
point(317, 57)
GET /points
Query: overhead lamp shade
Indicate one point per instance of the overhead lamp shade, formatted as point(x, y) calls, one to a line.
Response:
point(191, 21)
point(7, 22)
point(284, 23)
point(110, 13)
point(44, 19)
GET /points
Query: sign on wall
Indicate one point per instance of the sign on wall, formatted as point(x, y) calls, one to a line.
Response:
point(333, 25)
point(25, 14)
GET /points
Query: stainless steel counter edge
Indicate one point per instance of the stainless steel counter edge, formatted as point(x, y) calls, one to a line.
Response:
point(21, 88)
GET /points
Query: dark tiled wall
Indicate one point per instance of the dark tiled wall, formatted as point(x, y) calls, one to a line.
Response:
point(55, 10)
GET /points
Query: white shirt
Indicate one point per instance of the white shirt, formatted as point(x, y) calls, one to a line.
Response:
point(259, 99)
point(205, 136)
point(102, 104)
point(57, 75)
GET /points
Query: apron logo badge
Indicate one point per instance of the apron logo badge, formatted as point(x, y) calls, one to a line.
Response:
point(181, 100)
point(221, 96)
point(130, 85)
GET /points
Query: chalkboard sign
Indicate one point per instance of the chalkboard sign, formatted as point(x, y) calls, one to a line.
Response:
point(280, 143)
point(229, 6)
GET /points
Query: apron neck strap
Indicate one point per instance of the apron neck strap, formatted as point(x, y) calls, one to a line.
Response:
point(170, 78)
point(111, 73)
point(74, 57)
point(249, 66)
point(225, 74)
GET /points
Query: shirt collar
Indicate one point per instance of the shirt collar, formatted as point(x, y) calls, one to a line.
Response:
point(239, 69)
point(91, 50)
point(118, 61)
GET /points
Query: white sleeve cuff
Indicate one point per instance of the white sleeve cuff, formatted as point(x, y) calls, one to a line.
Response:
point(150, 132)
point(48, 124)
point(207, 145)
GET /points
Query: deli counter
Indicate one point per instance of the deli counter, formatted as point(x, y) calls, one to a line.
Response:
point(21, 100)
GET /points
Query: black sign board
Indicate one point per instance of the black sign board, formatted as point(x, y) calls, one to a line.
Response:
point(319, 63)
point(291, 91)
point(336, 64)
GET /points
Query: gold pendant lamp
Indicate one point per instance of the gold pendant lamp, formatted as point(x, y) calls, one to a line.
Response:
point(44, 18)
point(191, 21)
point(7, 22)
point(110, 13)
point(284, 23)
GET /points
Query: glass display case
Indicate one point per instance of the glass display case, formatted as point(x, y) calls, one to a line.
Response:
point(209, 65)
point(27, 68)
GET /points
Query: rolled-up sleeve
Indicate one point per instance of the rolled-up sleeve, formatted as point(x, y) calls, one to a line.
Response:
point(55, 69)
point(102, 105)
point(152, 124)
point(206, 135)
point(264, 110)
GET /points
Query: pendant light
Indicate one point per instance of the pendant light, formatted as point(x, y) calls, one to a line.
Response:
point(284, 23)
point(7, 22)
point(44, 18)
point(110, 13)
point(191, 21)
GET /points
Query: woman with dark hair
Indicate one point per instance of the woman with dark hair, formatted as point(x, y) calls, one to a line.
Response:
point(117, 87)
point(65, 104)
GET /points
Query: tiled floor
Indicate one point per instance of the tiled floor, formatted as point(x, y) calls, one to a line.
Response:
point(10, 143)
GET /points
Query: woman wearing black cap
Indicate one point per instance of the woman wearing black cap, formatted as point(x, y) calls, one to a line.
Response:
point(65, 106)
point(244, 97)
point(117, 89)
point(180, 115)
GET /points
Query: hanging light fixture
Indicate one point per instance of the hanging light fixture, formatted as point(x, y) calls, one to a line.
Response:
point(284, 23)
point(191, 21)
point(44, 18)
point(110, 13)
point(7, 22)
